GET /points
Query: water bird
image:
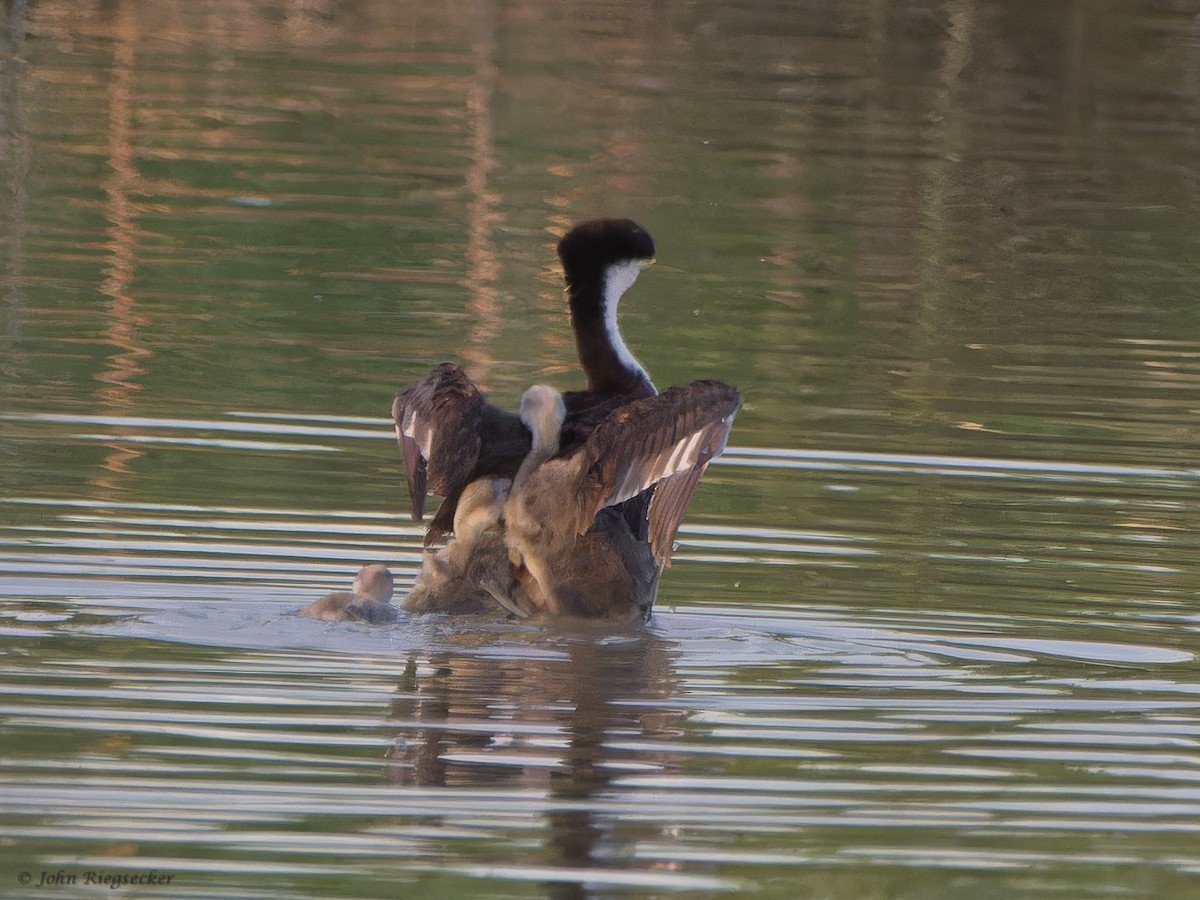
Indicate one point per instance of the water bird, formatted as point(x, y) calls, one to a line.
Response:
point(572, 548)
point(449, 434)
point(472, 570)
point(368, 601)
point(571, 505)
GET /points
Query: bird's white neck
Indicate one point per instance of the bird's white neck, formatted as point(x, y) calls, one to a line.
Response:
point(619, 278)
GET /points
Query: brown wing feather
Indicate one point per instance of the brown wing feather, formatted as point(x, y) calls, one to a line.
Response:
point(410, 453)
point(665, 442)
point(673, 493)
point(437, 426)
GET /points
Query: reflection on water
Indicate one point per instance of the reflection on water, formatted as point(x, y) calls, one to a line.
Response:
point(931, 626)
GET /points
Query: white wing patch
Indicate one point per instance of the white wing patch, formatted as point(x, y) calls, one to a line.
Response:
point(423, 436)
point(682, 456)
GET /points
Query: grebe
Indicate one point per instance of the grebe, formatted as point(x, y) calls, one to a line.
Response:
point(554, 540)
point(449, 435)
point(368, 601)
point(470, 572)
point(573, 550)
point(571, 506)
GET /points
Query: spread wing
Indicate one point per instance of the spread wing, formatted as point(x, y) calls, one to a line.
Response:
point(665, 443)
point(437, 427)
point(449, 436)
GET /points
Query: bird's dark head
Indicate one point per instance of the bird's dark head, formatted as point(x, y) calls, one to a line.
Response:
point(590, 248)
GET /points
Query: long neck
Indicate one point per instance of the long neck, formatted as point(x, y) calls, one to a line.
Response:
point(546, 433)
point(606, 361)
